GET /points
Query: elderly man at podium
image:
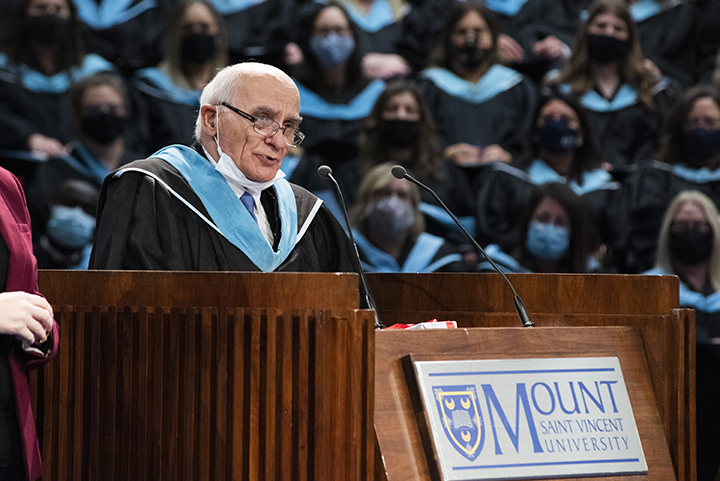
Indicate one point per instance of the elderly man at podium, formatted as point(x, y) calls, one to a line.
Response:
point(223, 204)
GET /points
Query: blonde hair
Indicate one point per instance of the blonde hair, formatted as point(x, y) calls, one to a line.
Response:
point(375, 179)
point(710, 212)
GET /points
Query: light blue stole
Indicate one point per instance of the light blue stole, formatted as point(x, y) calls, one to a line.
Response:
point(541, 173)
point(312, 105)
point(89, 165)
point(509, 8)
point(702, 175)
point(53, 84)
point(110, 12)
point(497, 80)
point(690, 298)
point(165, 87)
point(226, 7)
point(229, 217)
point(418, 260)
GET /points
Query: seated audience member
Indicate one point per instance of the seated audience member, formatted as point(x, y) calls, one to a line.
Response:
point(380, 23)
point(400, 130)
point(128, 33)
point(66, 241)
point(100, 107)
point(689, 247)
point(28, 335)
point(388, 228)
point(689, 159)
point(707, 40)
point(625, 101)
point(223, 204)
point(561, 150)
point(169, 94)
point(482, 109)
point(258, 30)
point(528, 41)
point(42, 57)
point(336, 97)
point(555, 236)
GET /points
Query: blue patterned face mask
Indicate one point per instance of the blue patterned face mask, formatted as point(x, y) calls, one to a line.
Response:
point(333, 49)
point(70, 227)
point(557, 137)
point(546, 241)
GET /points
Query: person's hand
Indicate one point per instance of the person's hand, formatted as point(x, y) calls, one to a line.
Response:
point(45, 146)
point(293, 54)
point(551, 48)
point(652, 68)
point(384, 65)
point(509, 50)
point(464, 154)
point(25, 316)
point(495, 153)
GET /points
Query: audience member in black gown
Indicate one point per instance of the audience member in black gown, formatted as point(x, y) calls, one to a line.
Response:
point(43, 55)
point(707, 39)
point(388, 228)
point(258, 30)
point(625, 98)
point(689, 159)
point(335, 96)
point(562, 150)
point(556, 236)
point(689, 247)
point(128, 33)
point(168, 95)
point(482, 109)
point(400, 130)
point(100, 109)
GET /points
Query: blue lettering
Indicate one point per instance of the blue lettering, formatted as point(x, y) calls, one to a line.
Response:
point(598, 402)
point(561, 445)
point(612, 396)
point(594, 444)
point(534, 398)
point(604, 444)
point(520, 399)
point(576, 409)
point(549, 446)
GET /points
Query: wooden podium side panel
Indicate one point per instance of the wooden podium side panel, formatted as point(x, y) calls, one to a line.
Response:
point(207, 394)
point(403, 447)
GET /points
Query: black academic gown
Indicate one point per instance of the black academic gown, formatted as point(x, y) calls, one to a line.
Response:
point(167, 111)
point(645, 196)
point(666, 37)
point(707, 39)
point(130, 36)
point(496, 110)
point(142, 225)
point(257, 29)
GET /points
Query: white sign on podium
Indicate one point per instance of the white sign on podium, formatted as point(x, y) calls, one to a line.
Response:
point(530, 418)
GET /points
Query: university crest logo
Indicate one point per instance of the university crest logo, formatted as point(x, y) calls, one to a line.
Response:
point(461, 418)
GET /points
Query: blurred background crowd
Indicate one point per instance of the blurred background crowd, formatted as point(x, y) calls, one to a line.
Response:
point(567, 135)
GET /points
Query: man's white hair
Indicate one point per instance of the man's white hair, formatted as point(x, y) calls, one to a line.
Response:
point(225, 85)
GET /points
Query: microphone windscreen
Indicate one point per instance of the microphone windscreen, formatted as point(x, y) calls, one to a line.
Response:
point(323, 171)
point(398, 171)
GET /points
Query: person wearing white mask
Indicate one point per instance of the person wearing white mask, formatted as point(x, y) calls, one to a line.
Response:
point(223, 204)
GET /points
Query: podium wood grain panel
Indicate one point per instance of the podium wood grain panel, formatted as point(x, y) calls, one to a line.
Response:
point(207, 394)
point(400, 436)
point(330, 291)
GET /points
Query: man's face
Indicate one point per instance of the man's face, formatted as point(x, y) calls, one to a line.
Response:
point(265, 95)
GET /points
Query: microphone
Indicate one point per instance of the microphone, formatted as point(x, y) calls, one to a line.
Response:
point(325, 172)
point(399, 172)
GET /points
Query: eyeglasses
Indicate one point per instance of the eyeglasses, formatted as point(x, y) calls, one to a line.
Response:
point(679, 225)
point(268, 127)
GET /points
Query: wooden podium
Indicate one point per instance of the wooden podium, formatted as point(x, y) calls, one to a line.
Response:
point(206, 376)
point(635, 318)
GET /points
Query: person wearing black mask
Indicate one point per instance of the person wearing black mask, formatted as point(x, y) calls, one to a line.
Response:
point(42, 56)
point(624, 95)
point(169, 95)
point(562, 150)
point(688, 159)
point(101, 118)
point(400, 130)
point(689, 247)
point(482, 109)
